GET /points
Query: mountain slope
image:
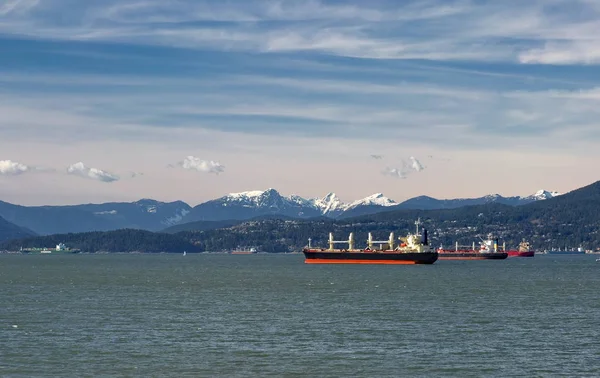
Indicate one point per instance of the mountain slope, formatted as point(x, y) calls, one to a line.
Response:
point(430, 203)
point(144, 214)
point(10, 231)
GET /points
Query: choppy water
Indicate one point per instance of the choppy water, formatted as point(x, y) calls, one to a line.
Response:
point(272, 315)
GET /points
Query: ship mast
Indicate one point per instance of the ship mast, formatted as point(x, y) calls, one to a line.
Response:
point(417, 223)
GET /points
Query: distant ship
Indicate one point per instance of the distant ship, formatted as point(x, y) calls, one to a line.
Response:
point(60, 248)
point(413, 249)
point(524, 250)
point(488, 250)
point(244, 251)
point(566, 251)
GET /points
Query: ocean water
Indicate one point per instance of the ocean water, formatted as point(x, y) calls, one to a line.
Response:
point(271, 315)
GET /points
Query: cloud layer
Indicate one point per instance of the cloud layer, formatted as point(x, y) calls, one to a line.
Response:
point(557, 32)
point(79, 169)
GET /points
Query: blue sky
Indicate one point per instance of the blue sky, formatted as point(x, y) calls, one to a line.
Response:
point(191, 100)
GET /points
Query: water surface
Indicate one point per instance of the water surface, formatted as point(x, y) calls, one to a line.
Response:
point(272, 315)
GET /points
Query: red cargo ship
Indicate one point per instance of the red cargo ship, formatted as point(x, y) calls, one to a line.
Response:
point(414, 249)
point(488, 250)
point(524, 250)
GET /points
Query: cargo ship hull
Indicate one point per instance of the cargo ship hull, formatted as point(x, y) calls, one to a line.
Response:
point(362, 257)
point(472, 255)
point(520, 253)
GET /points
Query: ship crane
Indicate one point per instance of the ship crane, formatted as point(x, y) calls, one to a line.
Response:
point(350, 241)
point(390, 241)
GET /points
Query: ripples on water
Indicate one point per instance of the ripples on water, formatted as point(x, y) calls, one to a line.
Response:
point(272, 315)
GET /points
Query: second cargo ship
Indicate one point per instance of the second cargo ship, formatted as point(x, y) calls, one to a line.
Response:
point(488, 250)
point(523, 250)
point(413, 249)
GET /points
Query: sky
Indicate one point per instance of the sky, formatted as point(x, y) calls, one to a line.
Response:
point(104, 100)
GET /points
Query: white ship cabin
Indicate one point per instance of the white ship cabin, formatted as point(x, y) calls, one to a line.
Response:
point(61, 247)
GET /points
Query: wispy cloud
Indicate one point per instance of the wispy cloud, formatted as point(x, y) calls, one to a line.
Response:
point(135, 174)
point(394, 172)
point(16, 6)
point(192, 163)
point(79, 169)
point(531, 32)
point(405, 169)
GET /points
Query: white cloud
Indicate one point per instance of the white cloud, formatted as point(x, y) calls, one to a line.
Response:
point(12, 168)
point(416, 165)
point(79, 169)
point(193, 163)
point(405, 170)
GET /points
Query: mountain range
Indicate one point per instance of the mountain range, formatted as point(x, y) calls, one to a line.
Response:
point(568, 220)
point(151, 215)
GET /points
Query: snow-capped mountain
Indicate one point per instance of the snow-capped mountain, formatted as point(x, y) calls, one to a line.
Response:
point(330, 205)
point(245, 205)
point(374, 203)
point(377, 199)
point(250, 204)
point(542, 195)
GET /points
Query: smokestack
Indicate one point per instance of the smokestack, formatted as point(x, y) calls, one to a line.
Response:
point(424, 240)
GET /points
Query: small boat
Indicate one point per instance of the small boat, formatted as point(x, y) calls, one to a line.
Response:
point(184, 253)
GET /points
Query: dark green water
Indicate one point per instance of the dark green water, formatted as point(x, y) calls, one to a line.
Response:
point(272, 315)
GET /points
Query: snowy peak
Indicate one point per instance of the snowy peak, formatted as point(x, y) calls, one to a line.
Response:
point(330, 204)
point(249, 195)
point(254, 197)
point(377, 199)
point(544, 194)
